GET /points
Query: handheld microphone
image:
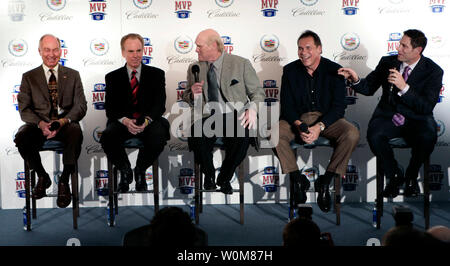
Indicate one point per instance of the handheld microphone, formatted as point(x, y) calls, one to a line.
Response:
point(396, 68)
point(195, 71)
point(303, 128)
point(140, 120)
point(54, 125)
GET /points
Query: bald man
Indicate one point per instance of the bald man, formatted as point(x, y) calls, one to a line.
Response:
point(51, 93)
point(223, 80)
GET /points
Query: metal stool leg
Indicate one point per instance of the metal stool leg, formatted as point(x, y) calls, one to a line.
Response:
point(27, 195)
point(337, 198)
point(111, 191)
point(380, 185)
point(33, 200)
point(426, 192)
point(197, 192)
point(74, 177)
point(241, 191)
point(156, 185)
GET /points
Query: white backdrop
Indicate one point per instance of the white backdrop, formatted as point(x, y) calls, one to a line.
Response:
point(354, 33)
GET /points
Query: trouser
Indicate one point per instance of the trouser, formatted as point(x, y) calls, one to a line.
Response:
point(235, 149)
point(420, 135)
point(154, 138)
point(343, 136)
point(29, 140)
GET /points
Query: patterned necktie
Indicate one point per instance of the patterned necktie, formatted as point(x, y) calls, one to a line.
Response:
point(53, 91)
point(405, 74)
point(134, 90)
point(213, 87)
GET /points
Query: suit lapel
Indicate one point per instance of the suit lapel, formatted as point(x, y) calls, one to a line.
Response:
point(204, 77)
point(225, 76)
point(42, 82)
point(62, 79)
point(417, 72)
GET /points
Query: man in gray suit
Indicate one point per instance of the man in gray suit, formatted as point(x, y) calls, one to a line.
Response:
point(226, 88)
point(51, 103)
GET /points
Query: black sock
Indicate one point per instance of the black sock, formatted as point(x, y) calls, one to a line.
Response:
point(68, 169)
point(295, 175)
point(328, 176)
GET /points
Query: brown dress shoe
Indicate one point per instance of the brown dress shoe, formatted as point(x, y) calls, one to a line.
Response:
point(64, 196)
point(43, 183)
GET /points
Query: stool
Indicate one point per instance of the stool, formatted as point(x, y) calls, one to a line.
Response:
point(320, 142)
point(198, 197)
point(30, 178)
point(401, 144)
point(132, 143)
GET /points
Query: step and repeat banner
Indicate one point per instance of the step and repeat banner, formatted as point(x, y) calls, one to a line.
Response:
point(354, 33)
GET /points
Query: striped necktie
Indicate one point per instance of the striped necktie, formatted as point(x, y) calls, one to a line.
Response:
point(134, 90)
point(53, 91)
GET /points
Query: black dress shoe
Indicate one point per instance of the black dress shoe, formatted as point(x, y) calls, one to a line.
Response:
point(209, 184)
point(301, 185)
point(226, 188)
point(323, 198)
point(392, 189)
point(412, 188)
point(126, 177)
point(43, 183)
point(64, 196)
point(141, 182)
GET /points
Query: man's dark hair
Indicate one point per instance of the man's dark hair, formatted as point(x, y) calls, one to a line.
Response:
point(301, 232)
point(312, 34)
point(418, 39)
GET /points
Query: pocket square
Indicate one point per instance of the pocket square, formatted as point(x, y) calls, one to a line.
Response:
point(398, 119)
point(234, 82)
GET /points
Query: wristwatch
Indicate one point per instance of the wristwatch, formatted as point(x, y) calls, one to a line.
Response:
point(322, 126)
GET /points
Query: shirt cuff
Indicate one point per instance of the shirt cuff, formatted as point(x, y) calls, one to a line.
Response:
point(121, 119)
point(405, 90)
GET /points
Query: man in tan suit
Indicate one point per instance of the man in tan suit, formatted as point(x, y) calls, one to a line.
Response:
point(223, 79)
point(51, 94)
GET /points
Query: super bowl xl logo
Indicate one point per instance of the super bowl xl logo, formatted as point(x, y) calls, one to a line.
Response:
point(148, 49)
point(56, 5)
point(350, 7)
point(440, 127)
point(186, 180)
point(183, 9)
point(224, 3)
point(18, 47)
point(269, 43)
point(15, 92)
point(20, 184)
point(227, 44)
point(99, 46)
point(312, 173)
point(350, 41)
point(393, 43)
point(98, 96)
point(183, 44)
point(436, 175)
point(64, 52)
point(441, 94)
point(437, 6)
point(271, 90)
point(180, 90)
point(350, 180)
point(15, 10)
point(101, 182)
point(270, 179)
point(269, 8)
point(97, 9)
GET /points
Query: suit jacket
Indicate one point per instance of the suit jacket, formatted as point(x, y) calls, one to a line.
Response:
point(151, 97)
point(425, 83)
point(238, 83)
point(330, 89)
point(34, 98)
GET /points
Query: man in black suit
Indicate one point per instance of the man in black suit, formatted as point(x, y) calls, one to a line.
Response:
point(135, 94)
point(411, 85)
point(51, 94)
point(312, 103)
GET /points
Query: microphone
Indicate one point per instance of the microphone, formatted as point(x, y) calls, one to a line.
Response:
point(396, 68)
point(140, 120)
point(195, 71)
point(54, 125)
point(303, 128)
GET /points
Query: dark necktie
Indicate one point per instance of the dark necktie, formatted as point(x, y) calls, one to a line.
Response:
point(213, 87)
point(405, 74)
point(399, 119)
point(134, 89)
point(53, 91)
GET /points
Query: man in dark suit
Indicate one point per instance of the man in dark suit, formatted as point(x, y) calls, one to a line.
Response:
point(411, 85)
point(224, 80)
point(135, 102)
point(51, 94)
point(312, 103)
